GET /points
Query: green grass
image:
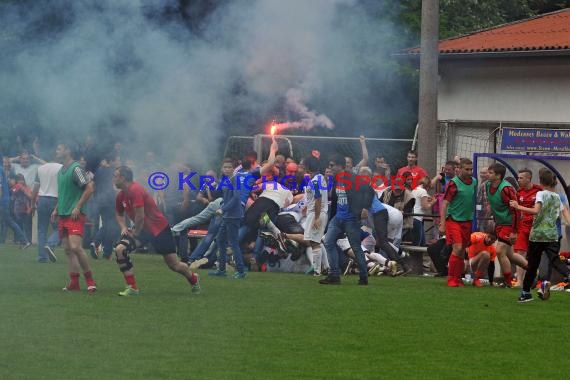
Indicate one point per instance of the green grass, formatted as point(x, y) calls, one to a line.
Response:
point(269, 326)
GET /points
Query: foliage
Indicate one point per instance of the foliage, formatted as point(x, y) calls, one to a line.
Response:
point(459, 17)
point(465, 16)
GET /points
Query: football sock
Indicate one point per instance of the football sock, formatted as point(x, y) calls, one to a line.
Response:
point(317, 256)
point(130, 280)
point(460, 267)
point(325, 258)
point(508, 277)
point(89, 278)
point(74, 280)
point(309, 253)
point(456, 265)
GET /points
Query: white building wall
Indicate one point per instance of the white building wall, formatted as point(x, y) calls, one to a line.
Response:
point(513, 90)
point(477, 96)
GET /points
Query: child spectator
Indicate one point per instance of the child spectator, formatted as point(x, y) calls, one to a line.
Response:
point(543, 236)
point(22, 208)
point(5, 209)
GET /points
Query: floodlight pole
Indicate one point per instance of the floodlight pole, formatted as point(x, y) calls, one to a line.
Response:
point(427, 111)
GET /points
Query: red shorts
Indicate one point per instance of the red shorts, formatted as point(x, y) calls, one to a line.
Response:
point(521, 245)
point(458, 232)
point(67, 227)
point(504, 233)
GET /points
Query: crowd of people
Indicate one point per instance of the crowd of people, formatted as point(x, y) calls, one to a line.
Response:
point(342, 217)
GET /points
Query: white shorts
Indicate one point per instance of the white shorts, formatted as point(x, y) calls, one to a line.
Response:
point(312, 234)
point(395, 223)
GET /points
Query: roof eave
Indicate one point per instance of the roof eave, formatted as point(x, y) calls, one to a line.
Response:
point(492, 54)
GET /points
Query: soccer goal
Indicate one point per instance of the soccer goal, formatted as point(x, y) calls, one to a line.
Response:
point(297, 147)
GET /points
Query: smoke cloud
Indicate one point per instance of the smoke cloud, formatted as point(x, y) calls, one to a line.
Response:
point(117, 70)
point(308, 118)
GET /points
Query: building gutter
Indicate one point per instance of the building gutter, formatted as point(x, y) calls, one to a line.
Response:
point(491, 54)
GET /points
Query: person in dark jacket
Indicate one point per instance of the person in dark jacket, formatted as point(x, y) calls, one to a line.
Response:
point(351, 197)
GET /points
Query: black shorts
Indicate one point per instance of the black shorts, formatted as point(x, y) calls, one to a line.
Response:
point(163, 243)
point(288, 224)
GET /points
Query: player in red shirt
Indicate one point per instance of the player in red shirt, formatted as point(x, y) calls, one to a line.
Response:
point(150, 226)
point(481, 251)
point(526, 197)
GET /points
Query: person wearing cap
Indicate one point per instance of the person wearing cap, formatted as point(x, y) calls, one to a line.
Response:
point(400, 196)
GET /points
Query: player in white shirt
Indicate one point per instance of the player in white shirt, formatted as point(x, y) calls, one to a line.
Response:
point(316, 200)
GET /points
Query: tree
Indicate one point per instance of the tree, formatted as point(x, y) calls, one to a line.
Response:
point(459, 17)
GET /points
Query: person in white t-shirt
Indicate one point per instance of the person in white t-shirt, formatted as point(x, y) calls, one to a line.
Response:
point(44, 198)
point(422, 207)
point(23, 165)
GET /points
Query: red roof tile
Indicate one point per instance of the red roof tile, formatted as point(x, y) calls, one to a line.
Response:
point(550, 31)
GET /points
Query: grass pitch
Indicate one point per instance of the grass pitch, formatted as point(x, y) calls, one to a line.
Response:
point(268, 326)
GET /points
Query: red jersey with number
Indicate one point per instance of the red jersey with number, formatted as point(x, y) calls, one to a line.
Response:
point(135, 197)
